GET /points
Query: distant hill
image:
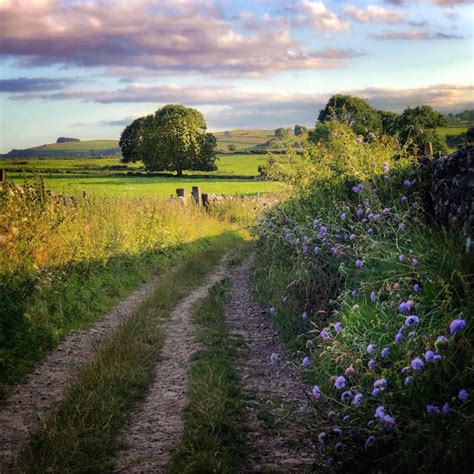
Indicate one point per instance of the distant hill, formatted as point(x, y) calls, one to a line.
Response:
point(230, 141)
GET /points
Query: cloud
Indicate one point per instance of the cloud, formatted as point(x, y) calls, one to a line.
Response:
point(416, 35)
point(449, 3)
point(33, 84)
point(319, 17)
point(373, 14)
point(185, 36)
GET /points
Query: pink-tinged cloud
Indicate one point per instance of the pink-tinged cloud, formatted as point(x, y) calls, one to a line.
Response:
point(450, 3)
point(444, 97)
point(373, 14)
point(319, 17)
point(416, 35)
point(188, 36)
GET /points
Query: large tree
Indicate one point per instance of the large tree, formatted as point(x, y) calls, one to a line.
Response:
point(352, 111)
point(174, 138)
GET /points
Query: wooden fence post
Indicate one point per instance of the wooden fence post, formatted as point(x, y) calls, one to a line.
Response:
point(3, 175)
point(205, 199)
point(180, 192)
point(196, 192)
point(428, 149)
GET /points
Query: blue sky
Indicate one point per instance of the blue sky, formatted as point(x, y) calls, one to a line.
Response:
point(86, 68)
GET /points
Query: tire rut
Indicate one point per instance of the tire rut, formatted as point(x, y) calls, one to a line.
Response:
point(277, 441)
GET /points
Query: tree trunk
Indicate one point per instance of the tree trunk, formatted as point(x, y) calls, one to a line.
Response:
point(179, 173)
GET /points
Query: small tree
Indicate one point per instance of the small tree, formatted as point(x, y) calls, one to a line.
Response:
point(352, 111)
point(172, 139)
point(281, 133)
point(232, 147)
point(300, 130)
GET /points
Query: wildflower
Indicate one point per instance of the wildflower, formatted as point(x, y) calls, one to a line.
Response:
point(401, 258)
point(304, 249)
point(412, 320)
point(407, 183)
point(359, 140)
point(388, 422)
point(437, 358)
point(446, 409)
point(385, 352)
point(376, 218)
point(340, 382)
point(414, 262)
point(398, 337)
point(347, 395)
point(360, 211)
point(364, 221)
point(316, 250)
point(306, 362)
point(380, 412)
point(339, 447)
point(323, 229)
point(370, 349)
point(373, 296)
point(369, 442)
point(359, 263)
point(386, 211)
point(456, 325)
point(357, 399)
point(337, 431)
point(375, 392)
point(304, 316)
point(405, 306)
point(370, 231)
point(385, 167)
point(403, 199)
point(370, 422)
point(463, 395)
point(408, 380)
point(337, 327)
point(405, 370)
point(345, 419)
point(274, 358)
point(432, 409)
point(417, 363)
point(429, 356)
point(343, 216)
point(325, 335)
point(371, 134)
point(352, 237)
point(322, 437)
point(380, 383)
point(354, 293)
point(357, 188)
point(372, 364)
point(411, 334)
point(416, 288)
point(350, 371)
point(316, 392)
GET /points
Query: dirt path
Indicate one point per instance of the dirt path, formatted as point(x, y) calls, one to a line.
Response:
point(276, 441)
point(30, 404)
point(157, 425)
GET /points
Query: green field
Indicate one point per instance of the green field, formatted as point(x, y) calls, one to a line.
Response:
point(82, 146)
point(235, 175)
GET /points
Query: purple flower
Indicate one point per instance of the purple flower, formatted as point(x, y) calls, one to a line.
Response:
point(304, 316)
point(407, 183)
point(347, 395)
point(369, 442)
point(417, 363)
point(403, 199)
point(373, 296)
point(416, 288)
point(340, 382)
point(360, 211)
point(352, 237)
point(388, 422)
point(405, 306)
point(379, 412)
point(343, 216)
point(306, 362)
point(370, 231)
point(463, 395)
point(385, 352)
point(376, 218)
point(305, 249)
point(370, 349)
point(412, 320)
point(349, 372)
point(337, 431)
point(401, 258)
point(359, 263)
point(437, 358)
point(432, 409)
point(446, 409)
point(372, 364)
point(408, 380)
point(375, 392)
point(429, 356)
point(357, 399)
point(414, 262)
point(274, 358)
point(386, 211)
point(325, 335)
point(316, 392)
point(411, 334)
point(323, 229)
point(345, 419)
point(456, 325)
point(359, 140)
point(354, 293)
point(380, 383)
point(398, 337)
point(316, 250)
point(338, 327)
point(339, 447)
point(357, 188)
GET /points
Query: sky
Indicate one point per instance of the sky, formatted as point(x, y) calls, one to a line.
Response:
point(87, 68)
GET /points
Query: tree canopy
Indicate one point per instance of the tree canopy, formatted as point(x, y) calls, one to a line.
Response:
point(352, 111)
point(300, 130)
point(174, 138)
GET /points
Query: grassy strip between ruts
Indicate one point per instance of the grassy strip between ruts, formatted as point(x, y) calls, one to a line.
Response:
point(81, 435)
point(214, 436)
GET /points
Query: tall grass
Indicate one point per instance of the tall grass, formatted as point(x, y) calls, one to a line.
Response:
point(65, 260)
point(339, 263)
